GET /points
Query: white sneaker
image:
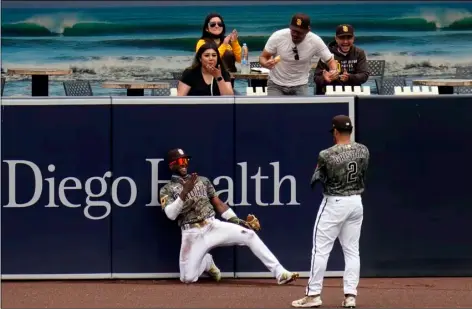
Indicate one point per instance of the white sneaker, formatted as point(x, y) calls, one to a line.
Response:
point(307, 302)
point(287, 277)
point(349, 302)
point(214, 272)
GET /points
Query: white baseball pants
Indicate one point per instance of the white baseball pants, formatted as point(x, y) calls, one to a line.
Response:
point(197, 242)
point(338, 217)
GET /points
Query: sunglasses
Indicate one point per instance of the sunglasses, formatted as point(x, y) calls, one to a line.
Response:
point(180, 161)
point(213, 24)
point(295, 50)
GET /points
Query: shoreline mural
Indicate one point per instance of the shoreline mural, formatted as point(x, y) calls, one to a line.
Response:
point(149, 42)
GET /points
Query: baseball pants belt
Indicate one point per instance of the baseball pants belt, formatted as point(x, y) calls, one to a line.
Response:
point(336, 198)
point(199, 224)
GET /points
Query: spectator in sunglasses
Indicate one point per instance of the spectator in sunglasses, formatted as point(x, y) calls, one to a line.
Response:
point(207, 76)
point(214, 29)
point(294, 48)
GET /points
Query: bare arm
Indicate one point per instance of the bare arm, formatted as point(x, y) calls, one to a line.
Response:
point(326, 56)
point(332, 64)
point(218, 204)
point(266, 59)
point(182, 89)
point(226, 212)
point(185, 83)
point(225, 87)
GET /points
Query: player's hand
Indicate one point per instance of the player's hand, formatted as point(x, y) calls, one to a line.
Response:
point(270, 64)
point(188, 186)
point(214, 71)
point(345, 76)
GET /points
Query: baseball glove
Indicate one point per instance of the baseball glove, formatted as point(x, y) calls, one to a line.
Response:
point(253, 222)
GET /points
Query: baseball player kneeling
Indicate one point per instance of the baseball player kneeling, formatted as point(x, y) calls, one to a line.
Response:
point(192, 200)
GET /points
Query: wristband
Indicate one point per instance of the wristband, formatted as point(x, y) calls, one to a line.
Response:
point(228, 214)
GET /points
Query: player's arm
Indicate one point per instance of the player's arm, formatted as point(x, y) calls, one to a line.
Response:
point(365, 164)
point(319, 174)
point(174, 206)
point(222, 208)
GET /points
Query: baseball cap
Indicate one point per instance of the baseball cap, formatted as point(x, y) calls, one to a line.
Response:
point(344, 29)
point(301, 21)
point(341, 123)
point(175, 154)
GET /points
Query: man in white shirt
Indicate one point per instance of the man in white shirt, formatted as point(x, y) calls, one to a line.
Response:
point(294, 49)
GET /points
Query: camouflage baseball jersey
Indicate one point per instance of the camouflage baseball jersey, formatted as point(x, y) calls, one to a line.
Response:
point(197, 206)
point(341, 169)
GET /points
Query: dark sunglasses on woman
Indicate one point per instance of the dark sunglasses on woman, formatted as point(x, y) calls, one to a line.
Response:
point(213, 24)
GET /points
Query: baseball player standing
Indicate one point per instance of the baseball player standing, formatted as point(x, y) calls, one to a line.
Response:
point(341, 170)
point(192, 200)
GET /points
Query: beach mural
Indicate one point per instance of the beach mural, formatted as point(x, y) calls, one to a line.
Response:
point(151, 39)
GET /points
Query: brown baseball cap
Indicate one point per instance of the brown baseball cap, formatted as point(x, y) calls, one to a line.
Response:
point(301, 21)
point(341, 123)
point(175, 154)
point(344, 29)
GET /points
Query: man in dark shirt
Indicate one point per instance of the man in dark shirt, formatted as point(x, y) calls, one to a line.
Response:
point(352, 63)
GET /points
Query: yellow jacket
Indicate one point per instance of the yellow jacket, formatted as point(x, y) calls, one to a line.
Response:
point(235, 47)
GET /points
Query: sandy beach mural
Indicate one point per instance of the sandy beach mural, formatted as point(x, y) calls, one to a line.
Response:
point(148, 40)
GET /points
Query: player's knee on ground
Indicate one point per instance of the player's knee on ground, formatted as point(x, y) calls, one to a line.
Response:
point(188, 277)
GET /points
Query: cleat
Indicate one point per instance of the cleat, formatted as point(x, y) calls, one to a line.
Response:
point(349, 302)
point(308, 302)
point(287, 277)
point(215, 272)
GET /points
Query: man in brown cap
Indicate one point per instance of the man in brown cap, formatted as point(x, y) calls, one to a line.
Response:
point(351, 62)
point(192, 201)
point(294, 48)
point(341, 170)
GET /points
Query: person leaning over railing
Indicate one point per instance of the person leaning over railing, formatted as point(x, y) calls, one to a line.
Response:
point(214, 29)
point(294, 48)
point(351, 61)
point(207, 76)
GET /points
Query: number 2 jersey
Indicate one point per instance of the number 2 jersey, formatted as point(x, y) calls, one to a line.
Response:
point(341, 169)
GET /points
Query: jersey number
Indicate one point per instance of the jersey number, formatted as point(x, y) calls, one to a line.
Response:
point(351, 171)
